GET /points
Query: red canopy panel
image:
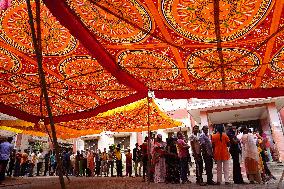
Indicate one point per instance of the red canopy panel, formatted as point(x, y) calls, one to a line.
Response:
point(129, 118)
point(111, 52)
point(76, 81)
point(171, 45)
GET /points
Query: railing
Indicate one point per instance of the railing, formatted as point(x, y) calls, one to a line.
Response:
point(207, 103)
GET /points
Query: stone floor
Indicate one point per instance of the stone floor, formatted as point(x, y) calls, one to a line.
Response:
point(115, 183)
point(52, 182)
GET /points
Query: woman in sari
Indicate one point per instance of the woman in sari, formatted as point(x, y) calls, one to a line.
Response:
point(90, 163)
point(159, 160)
point(251, 157)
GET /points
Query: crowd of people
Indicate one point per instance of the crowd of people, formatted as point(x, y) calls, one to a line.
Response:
point(154, 160)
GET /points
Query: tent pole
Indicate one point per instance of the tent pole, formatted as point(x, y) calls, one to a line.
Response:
point(38, 51)
point(149, 140)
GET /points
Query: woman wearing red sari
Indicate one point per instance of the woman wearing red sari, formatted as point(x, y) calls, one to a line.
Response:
point(90, 162)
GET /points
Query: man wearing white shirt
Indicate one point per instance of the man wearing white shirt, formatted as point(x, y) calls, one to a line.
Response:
point(40, 160)
point(196, 152)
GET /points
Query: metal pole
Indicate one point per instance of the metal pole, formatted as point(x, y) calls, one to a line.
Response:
point(148, 142)
point(38, 50)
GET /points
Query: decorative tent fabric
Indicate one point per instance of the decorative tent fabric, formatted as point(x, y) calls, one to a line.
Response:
point(19, 126)
point(101, 54)
point(130, 118)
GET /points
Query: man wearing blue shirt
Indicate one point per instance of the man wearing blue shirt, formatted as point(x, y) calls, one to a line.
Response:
point(5, 151)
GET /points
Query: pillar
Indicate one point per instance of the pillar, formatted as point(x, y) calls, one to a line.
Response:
point(140, 139)
point(25, 142)
point(133, 140)
point(265, 125)
point(204, 118)
point(276, 127)
point(18, 141)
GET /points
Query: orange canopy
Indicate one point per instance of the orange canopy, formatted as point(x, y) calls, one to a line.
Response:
point(102, 54)
point(130, 118)
point(19, 126)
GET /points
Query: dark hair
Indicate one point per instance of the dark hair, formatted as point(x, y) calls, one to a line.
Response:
point(220, 129)
point(9, 139)
point(205, 127)
point(195, 126)
point(146, 138)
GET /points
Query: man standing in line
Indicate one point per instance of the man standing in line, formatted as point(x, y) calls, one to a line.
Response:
point(32, 159)
point(5, 151)
point(40, 160)
point(207, 153)
point(136, 158)
point(104, 162)
point(196, 151)
point(17, 171)
point(110, 161)
point(235, 153)
point(46, 162)
point(145, 159)
point(118, 157)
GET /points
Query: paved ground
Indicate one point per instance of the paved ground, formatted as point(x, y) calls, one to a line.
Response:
point(114, 183)
point(52, 182)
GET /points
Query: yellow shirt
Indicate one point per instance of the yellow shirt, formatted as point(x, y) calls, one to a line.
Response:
point(117, 154)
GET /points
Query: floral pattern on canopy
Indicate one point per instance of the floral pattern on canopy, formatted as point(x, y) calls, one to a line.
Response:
point(102, 54)
point(73, 76)
point(38, 129)
point(129, 118)
point(187, 49)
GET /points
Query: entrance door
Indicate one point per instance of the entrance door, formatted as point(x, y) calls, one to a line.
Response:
point(123, 141)
point(91, 144)
point(252, 124)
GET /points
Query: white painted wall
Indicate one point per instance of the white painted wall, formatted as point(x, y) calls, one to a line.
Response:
point(204, 119)
point(79, 145)
point(133, 140)
point(106, 139)
point(25, 142)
